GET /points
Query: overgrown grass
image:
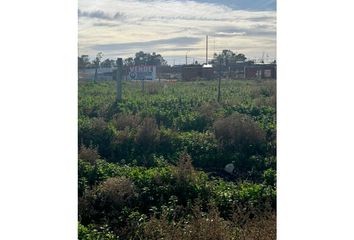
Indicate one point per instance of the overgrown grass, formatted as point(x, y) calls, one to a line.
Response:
point(151, 166)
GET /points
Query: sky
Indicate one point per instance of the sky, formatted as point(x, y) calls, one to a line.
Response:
point(176, 28)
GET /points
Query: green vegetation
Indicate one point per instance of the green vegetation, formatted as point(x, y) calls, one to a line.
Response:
point(152, 165)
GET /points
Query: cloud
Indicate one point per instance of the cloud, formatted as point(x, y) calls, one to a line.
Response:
point(228, 34)
point(154, 43)
point(172, 27)
point(191, 18)
point(181, 49)
point(253, 5)
point(100, 15)
point(252, 30)
point(104, 24)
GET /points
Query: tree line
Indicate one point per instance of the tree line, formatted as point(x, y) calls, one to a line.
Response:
point(140, 58)
point(226, 58)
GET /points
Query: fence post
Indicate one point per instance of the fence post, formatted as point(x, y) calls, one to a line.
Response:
point(143, 85)
point(119, 78)
point(219, 80)
point(219, 83)
point(95, 77)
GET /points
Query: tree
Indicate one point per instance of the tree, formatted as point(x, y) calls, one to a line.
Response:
point(96, 62)
point(228, 58)
point(240, 57)
point(129, 61)
point(83, 61)
point(107, 63)
point(142, 58)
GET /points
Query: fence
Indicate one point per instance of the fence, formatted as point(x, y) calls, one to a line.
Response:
point(102, 74)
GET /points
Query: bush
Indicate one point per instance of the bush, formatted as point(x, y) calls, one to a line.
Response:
point(91, 233)
point(117, 191)
point(123, 121)
point(122, 146)
point(200, 225)
point(202, 147)
point(239, 133)
point(257, 227)
point(184, 170)
point(105, 202)
point(146, 137)
point(207, 113)
point(97, 133)
point(90, 175)
point(270, 177)
point(89, 154)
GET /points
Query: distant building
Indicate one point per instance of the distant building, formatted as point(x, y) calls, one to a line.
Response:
point(89, 74)
point(261, 71)
point(197, 72)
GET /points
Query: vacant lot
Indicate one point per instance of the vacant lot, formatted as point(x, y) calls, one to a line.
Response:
point(152, 165)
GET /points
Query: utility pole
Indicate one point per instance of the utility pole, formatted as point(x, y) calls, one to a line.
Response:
point(214, 44)
point(119, 78)
point(206, 52)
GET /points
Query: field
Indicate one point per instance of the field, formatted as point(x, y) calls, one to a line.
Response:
point(152, 165)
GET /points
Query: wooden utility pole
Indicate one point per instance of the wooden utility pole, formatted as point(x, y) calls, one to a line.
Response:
point(206, 50)
point(119, 78)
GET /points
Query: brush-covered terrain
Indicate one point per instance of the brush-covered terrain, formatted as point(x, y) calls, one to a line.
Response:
point(152, 165)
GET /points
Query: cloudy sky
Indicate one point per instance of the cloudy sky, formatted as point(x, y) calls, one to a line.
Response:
point(174, 28)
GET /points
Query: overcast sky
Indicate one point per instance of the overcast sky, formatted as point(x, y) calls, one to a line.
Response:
point(174, 28)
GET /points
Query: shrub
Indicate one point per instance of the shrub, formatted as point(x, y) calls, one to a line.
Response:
point(97, 133)
point(146, 137)
point(259, 227)
point(91, 233)
point(270, 177)
point(90, 175)
point(202, 147)
point(184, 170)
point(89, 154)
point(239, 132)
point(208, 112)
point(122, 121)
point(168, 143)
point(103, 203)
point(186, 188)
point(199, 225)
point(117, 191)
point(122, 146)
